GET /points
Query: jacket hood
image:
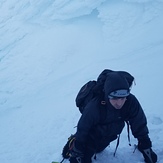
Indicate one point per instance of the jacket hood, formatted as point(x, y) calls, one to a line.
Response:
point(116, 85)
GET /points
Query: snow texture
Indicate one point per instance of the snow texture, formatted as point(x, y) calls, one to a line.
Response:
point(49, 49)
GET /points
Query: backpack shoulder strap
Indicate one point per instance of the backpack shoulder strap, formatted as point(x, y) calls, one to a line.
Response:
point(103, 110)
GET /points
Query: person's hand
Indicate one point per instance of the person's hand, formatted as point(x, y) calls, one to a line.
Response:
point(144, 146)
point(76, 156)
point(76, 153)
point(149, 155)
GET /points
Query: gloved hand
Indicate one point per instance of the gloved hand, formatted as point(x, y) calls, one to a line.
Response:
point(144, 146)
point(76, 155)
point(149, 155)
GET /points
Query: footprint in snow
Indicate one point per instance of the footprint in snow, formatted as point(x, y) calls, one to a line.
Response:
point(156, 121)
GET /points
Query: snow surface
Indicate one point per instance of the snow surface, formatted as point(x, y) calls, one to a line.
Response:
point(49, 49)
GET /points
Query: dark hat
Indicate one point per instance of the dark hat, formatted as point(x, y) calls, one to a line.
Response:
point(116, 86)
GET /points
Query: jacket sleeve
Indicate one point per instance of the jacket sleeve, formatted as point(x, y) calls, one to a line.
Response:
point(137, 118)
point(88, 119)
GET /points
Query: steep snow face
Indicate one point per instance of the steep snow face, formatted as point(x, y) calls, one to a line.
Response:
point(49, 49)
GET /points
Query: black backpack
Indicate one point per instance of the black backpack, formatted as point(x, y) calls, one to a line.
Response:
point(94, 88)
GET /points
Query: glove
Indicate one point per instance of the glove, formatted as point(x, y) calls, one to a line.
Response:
point(144, 146)
point(149, 155)
point(67, 148)
point(76, 155)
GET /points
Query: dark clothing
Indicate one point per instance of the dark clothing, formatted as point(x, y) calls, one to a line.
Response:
point(101, 123)
point(95, 130)
point(88, 153)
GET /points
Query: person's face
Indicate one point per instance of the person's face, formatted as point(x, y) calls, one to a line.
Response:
point(117, 103)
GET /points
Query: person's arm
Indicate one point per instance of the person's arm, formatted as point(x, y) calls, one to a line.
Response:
point(88, 119)
point(138, 123)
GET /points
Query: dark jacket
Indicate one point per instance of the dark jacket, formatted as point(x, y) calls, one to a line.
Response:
point(99, 125)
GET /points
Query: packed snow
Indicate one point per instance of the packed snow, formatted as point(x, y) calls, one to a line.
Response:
point(49, 49)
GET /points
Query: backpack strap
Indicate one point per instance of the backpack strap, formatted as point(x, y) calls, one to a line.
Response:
point(103, 111)
point(118, 139)
point(128, 132)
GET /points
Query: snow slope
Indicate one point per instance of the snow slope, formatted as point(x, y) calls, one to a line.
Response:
point(49, 49)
